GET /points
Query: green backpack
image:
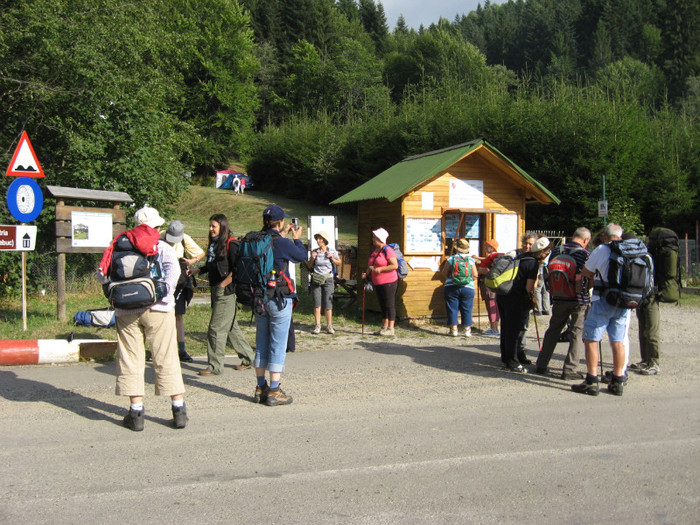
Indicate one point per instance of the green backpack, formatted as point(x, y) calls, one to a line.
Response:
point(461, 276)
point(663, 246)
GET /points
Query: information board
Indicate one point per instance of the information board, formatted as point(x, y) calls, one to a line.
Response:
point(423, 236)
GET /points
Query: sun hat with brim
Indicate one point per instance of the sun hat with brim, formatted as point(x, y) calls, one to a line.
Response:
point(493, 243)
point(274, 213)
point(323, 234)
point(175, 233)
point(148, 216)
point(381, 234)
point(540, 244)
point(462, 246)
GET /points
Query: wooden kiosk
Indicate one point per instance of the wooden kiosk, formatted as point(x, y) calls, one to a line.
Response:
point(75, 225)
point(427, 201)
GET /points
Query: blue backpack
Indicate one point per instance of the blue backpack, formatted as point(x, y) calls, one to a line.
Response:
point(403, 265)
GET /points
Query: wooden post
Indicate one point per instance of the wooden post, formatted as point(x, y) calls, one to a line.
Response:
point(61, 286)
point(61, 283)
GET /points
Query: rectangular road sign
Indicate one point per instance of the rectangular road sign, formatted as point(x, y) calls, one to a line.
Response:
point(19, 238)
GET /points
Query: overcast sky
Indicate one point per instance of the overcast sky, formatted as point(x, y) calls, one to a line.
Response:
point(417, 12)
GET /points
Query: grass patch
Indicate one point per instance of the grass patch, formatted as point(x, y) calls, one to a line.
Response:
point(245, 212)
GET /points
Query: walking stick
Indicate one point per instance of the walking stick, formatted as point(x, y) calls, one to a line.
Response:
point(478, 306)
point(537, 331)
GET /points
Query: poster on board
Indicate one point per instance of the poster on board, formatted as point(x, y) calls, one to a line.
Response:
point(466, 194)
point(91, 229)
point(423, 236)
point(507, 231)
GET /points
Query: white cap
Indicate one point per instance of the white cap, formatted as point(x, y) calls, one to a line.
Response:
point(148, 216)
point(381, 234)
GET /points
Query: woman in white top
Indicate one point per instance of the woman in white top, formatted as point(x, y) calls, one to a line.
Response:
point(322, 282)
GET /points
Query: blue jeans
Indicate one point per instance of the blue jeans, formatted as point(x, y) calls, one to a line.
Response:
point(271, 333)
point(459, 299)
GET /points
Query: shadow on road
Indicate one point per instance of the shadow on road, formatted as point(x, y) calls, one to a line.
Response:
point(476, 360)
point(14, 388)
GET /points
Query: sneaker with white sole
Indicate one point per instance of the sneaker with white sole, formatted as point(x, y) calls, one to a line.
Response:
point(387, 332)
point(467, 331)
point(491, 331)
point(330, 329)
point(651, 370)
point(454, 333)
point(317, 329)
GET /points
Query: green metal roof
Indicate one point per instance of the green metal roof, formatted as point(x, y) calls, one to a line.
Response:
point(402, 177)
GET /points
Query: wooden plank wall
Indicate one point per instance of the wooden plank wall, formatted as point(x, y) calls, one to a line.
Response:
point(421, 292)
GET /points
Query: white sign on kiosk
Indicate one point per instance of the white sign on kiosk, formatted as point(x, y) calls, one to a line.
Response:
point(18, 238)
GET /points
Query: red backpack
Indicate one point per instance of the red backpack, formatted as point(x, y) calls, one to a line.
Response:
point(562, 274)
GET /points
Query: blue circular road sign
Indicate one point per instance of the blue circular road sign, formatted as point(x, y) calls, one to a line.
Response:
point(24, 199)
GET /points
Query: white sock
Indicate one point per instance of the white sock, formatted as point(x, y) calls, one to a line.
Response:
point(179, 403)
point(137, 407)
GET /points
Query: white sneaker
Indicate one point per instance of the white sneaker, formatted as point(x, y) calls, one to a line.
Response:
point(454, 333)
point(467, 331)
point(389, 332)
point(317, 329)
point(329, 329)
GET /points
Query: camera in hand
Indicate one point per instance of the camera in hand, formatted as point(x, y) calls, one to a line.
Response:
point(295, 223)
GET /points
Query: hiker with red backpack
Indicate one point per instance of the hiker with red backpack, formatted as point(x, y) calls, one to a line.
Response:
point(570, 302)
point(223, 324)
point(460, 275)
point(144, 316)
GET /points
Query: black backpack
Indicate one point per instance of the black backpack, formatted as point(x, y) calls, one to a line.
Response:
point(664, 247)
point(630, 275)
point(135, 280)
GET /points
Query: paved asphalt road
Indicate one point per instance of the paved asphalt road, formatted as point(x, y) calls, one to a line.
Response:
point(421, 429)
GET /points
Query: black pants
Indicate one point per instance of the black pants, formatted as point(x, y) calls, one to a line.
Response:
point(386, 295)
point(515, 311)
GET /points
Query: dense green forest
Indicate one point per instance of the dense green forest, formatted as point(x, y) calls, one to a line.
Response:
point(317, 96)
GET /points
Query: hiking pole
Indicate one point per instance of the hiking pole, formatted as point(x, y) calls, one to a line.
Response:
point(537, 331)
point(364, 292)
point(478, 309)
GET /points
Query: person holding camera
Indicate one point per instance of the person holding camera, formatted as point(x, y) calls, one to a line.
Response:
point(272, 324)
point(322, 283)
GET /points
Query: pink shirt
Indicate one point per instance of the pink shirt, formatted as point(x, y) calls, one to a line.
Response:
point(379, 259)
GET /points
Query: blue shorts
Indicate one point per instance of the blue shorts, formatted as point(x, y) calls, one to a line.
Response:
point(603, 316)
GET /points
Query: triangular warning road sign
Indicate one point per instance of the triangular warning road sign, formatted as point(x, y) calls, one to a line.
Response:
point(24, 162)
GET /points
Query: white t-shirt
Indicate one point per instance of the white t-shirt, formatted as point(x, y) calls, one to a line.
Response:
point(599, 263)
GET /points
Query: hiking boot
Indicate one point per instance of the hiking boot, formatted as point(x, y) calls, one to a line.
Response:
point(565, 337)
point(180, 416)
point(317, 329)
point(651, 370)
point(134, 420)
point(261, 393)
point(615, 386)
point(387, 332)
point(607, 378)
point(467, 331)
point(518, 369)
point(185, 357)
point(592, 389)
point(277, 396)
point(243, 366)
point(330, 329)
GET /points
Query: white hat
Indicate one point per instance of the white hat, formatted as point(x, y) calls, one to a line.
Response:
point(148, 216)
point(540, 244)
point(381, 234)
